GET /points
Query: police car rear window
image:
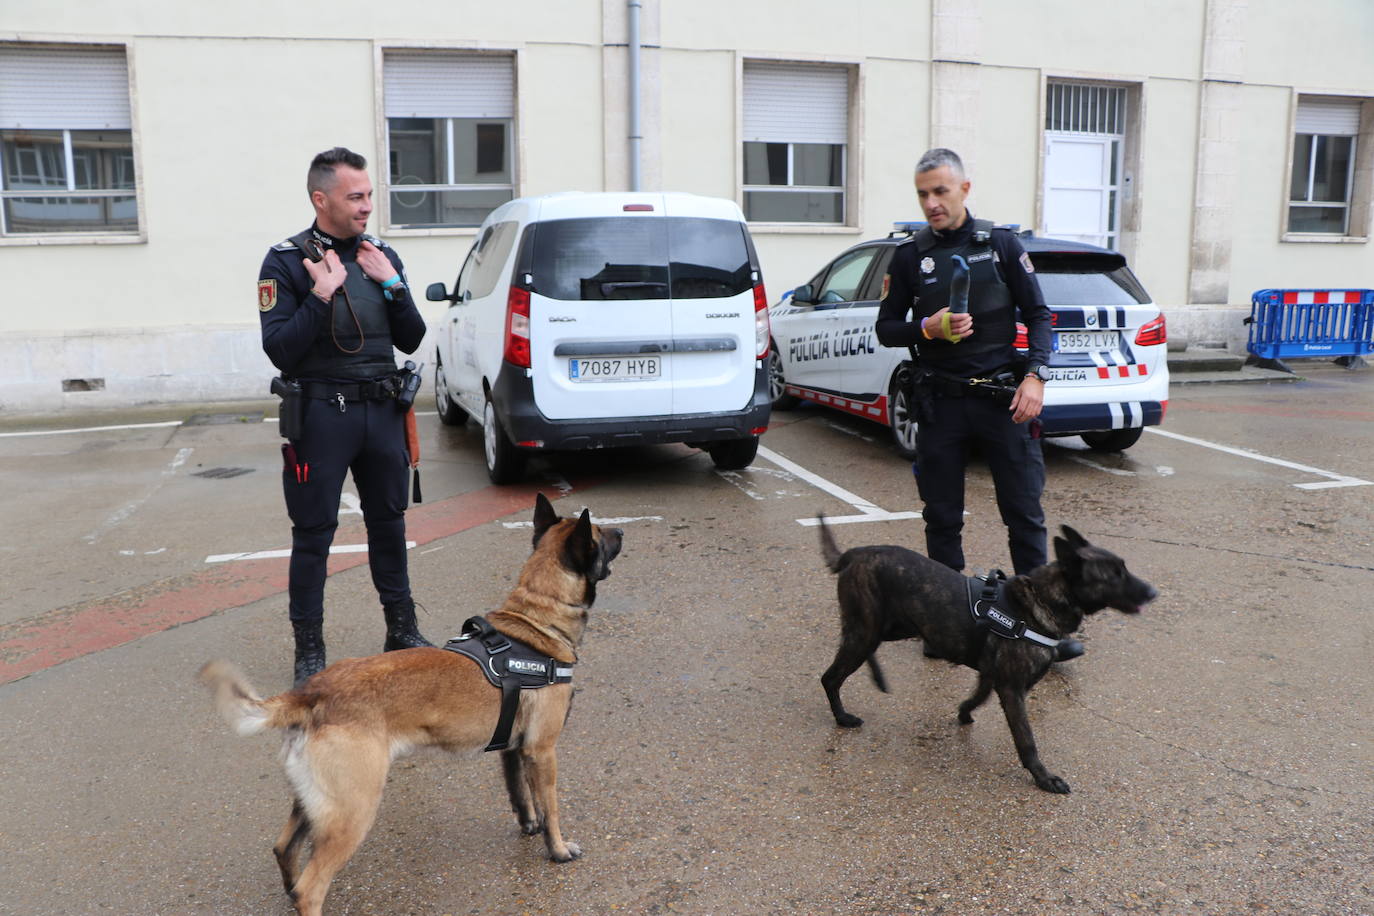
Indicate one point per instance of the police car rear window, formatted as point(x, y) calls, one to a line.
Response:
point(1084, 280)
point(616, 258)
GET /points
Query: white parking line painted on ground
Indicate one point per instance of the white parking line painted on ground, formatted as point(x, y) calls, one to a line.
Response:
point(621, 520)
point(1336, 480)
point(1086, 462)
point(278, 554)
point(90, 429)
point(869, 512)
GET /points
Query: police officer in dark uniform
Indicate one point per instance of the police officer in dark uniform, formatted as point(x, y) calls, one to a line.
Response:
point(970, 384)
point(333, 302)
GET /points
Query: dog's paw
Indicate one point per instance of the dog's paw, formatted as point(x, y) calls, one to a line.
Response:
point(573, 852)
point(965, 716)
point(1051, 783)
point(848, 720)
point(530, 828)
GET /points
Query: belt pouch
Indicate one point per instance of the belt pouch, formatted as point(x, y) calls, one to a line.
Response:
point(291, 417)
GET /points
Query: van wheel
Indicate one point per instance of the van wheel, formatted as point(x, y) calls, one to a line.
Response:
point(899, 417)
point(505, 462)
point(1113, 440)
point(450, 414)
point(733, 454)
point(777, 385)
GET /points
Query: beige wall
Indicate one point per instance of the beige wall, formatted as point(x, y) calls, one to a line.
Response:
point(224, 135)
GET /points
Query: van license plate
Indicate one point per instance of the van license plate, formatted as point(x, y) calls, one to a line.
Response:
point(615, 368)
point(1086, 341)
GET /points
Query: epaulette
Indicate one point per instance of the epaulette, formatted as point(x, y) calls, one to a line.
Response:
point(378, 243)
point(286, 245)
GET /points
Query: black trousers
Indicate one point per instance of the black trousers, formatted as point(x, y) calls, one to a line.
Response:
point(1018, 475)
point(367, 438)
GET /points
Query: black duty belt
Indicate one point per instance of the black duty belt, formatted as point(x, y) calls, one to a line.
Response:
point(508, 664)
point(344, 392)
point(983, 605)
point(948, 386)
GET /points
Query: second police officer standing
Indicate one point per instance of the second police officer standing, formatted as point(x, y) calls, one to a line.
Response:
point(970, 384)
point(333, 302)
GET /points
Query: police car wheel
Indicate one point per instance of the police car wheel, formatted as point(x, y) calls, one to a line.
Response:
point(733, 454)
point(450, 414)
point(777, 384)
point(899, 417)
point(505, 462)
point(1113, 440)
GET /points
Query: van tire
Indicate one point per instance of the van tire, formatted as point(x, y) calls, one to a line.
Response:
point(505, 462)
point(733, 454)
point(450, 414)
point(776, 382)
point(1113, 440)
point(899, 417)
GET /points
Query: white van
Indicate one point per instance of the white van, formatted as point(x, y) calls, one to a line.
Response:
point(593, 320)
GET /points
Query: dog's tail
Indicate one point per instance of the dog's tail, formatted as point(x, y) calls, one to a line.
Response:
point(830, 551)
point(245, 711)
point(878, 680)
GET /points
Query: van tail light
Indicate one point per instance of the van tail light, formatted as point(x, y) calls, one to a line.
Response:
point(1152, 333)
point(1022, 341)
point(517, 348)
point(761, 332)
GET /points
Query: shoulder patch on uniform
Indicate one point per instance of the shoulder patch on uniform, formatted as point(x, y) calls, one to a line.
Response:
point(1026, 263)
point(267, 295)
point(887, 284)
point(375, 241)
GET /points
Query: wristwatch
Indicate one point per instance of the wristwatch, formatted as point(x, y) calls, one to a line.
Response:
point(1040, 371)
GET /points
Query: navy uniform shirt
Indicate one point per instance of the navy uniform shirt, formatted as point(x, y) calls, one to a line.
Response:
point(295, 321)
point(895, 328)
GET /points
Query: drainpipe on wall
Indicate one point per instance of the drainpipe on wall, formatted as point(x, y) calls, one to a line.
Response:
point(635, 137)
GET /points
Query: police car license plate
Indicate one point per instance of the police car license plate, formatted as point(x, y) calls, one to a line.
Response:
point(615, 368)
point(1086, 341)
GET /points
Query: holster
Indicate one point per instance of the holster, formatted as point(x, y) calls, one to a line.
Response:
point(291, 416)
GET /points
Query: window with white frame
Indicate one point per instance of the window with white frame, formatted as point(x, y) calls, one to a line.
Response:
point(450, 120)
point(66, 141)
point(796, 141)
point(1324, 139)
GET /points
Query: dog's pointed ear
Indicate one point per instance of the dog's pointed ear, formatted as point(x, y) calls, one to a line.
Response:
point(1073, 537)
point(580, 547)
point(1066, 551)
point(544, 516)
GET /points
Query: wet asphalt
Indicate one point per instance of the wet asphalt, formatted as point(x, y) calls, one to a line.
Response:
point(1219, 745)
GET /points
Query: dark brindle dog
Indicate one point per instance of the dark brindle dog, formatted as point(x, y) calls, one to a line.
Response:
point(891, 593)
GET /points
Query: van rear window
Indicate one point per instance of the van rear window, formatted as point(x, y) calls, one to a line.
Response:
point(1086, 280)
point(640, 258)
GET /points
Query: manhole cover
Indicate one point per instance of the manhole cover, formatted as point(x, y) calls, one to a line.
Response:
point(222, 473)
point(218, 419)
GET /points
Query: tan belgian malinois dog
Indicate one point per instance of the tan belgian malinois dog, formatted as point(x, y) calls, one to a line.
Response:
point(345, 725)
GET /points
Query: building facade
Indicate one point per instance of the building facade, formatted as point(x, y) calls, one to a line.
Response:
point(151, 152)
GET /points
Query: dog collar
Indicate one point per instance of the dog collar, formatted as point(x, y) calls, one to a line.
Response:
point(508, 664)
point(983, 605)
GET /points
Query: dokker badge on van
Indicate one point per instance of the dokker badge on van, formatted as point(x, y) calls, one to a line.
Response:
point(722, 314)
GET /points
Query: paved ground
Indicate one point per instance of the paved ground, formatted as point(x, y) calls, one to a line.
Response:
point(1219, 745)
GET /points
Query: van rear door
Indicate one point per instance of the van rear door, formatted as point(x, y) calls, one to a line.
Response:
point(600, 316)
point(712, 279)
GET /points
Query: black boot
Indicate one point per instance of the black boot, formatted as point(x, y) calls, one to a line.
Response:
point(401, 631)
point(1067, 649)
point(309, 649)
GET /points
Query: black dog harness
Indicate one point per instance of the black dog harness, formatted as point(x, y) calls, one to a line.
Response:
point(984, 603)
point(508, 664)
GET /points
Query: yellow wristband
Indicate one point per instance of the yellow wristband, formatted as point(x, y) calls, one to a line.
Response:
point(944, 329)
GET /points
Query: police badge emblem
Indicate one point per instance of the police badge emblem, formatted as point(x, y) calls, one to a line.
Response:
point(267, 295)
point(927, 265)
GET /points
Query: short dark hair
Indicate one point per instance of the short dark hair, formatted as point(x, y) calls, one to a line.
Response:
point(321, 175)
point(933, 159)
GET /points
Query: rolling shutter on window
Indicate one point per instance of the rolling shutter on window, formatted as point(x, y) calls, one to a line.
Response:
point(423, 84)
point(796, 103)
point(64, 89)
point(1340, 117)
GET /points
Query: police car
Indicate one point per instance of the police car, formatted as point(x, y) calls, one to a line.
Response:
point(1109, 376)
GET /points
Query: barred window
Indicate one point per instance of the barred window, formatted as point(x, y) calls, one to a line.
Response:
point(66, 141)
point(450, 145)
